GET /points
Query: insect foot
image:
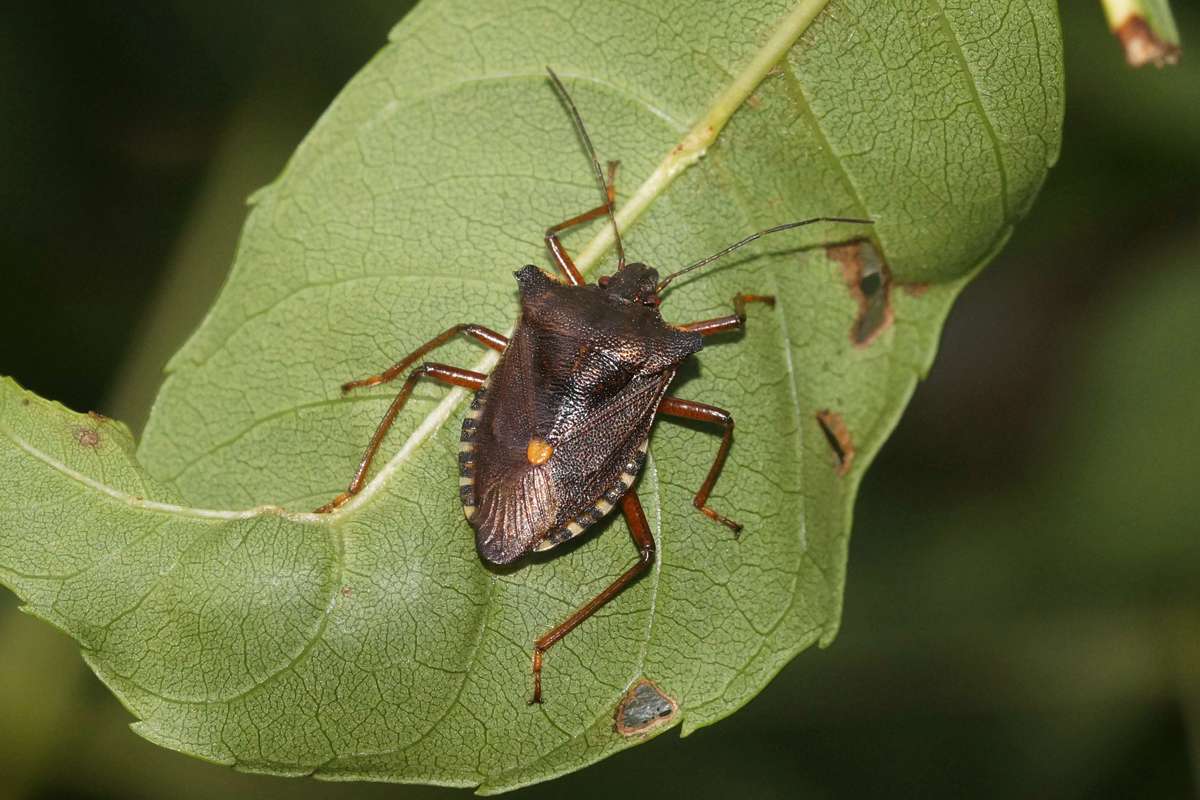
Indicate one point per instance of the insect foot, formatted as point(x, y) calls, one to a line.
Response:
point(537, 676)
point(736, 527)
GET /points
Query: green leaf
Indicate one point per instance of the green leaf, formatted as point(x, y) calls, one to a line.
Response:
point(373, 643)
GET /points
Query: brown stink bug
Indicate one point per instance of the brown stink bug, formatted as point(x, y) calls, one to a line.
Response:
point(556, 435)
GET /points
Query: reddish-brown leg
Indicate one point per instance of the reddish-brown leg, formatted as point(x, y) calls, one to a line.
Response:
point(631, 507)
point(440, 372)
point(690, 409)
point(562, 259)
point(732, 322)
point(496, 341)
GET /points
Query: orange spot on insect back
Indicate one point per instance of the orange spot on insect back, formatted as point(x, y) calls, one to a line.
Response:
point(538, 452)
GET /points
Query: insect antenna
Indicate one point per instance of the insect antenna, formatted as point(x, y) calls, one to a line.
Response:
point(587, 143)
point(786, 226)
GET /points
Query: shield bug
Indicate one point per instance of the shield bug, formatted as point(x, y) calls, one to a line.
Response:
point(557, 433)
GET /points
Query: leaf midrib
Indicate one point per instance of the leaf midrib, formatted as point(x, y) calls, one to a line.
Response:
point(678, 159)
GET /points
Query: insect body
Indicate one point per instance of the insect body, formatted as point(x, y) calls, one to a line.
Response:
point(556, 438)
point(556, 435)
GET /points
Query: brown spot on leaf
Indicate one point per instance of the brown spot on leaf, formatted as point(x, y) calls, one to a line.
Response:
point(914, 289)
point(643, 708)
point(87, 437)
point(96, 416)
point(870, 283)
point(1143, 46)
point(346, 591)
point(754, 101)
point(838, 437)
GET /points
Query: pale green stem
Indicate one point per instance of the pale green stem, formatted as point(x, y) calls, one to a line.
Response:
point(697, 140)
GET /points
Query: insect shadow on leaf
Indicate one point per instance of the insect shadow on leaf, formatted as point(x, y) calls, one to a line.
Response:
point(556, 435)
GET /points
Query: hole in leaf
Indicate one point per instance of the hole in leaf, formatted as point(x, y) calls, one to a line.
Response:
point(870, 282)
point(643, 708)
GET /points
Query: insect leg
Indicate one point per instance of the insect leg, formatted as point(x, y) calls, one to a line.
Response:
point(639, 530)
point(496, 341)
point(439, 372)
point(561, 258)
point(690, 409)
point(732, 322)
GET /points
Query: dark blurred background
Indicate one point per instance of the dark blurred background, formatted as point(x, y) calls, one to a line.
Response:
point(1023, 607)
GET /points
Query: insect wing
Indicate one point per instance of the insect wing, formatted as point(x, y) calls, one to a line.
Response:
point(602, 452)
point(509, 501)
point(596, 432)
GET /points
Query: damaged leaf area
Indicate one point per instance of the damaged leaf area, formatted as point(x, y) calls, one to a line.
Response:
point(643, 708)
point(373, 643)
point(1146, 30)
point(870, 284)
point(838, 437)
point(87, 437)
